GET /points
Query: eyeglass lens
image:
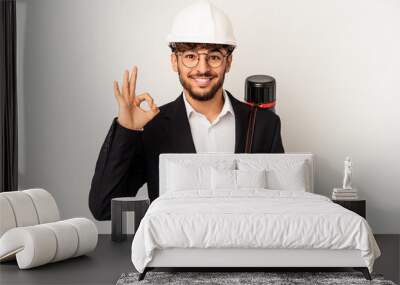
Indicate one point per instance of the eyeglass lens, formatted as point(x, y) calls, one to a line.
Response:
point(191, 58)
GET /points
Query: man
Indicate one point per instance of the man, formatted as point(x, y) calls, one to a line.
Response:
point(204, 118)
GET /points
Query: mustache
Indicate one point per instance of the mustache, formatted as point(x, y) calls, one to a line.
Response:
point(207, 74)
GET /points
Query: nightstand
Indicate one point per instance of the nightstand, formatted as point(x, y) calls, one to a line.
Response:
point(126, 204)
point(357, 206)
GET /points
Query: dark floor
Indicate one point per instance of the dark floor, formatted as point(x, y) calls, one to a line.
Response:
point(110, 260)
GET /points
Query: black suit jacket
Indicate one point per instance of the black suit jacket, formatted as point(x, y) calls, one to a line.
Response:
point(129, 158)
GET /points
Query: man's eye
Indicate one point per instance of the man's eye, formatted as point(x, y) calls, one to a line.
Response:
point(215, 57)
point(190, 56)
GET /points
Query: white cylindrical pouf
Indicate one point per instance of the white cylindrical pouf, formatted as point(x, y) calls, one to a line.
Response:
point(23, 208)
point(67, 239)
point(40, 244)
point(87, 233)
point(7, 218)
point(45, 205)
point(33, 245)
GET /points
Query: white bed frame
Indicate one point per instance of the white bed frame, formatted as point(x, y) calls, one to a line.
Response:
point(249, 257)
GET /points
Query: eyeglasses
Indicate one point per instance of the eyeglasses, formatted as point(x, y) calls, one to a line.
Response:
point(191, 59)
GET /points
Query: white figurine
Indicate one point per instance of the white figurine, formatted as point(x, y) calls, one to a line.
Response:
point(347, 173)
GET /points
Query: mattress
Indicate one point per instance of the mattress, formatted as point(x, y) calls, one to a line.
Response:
point(254, 218)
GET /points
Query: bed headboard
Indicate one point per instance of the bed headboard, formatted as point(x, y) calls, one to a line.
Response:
point(210, 157)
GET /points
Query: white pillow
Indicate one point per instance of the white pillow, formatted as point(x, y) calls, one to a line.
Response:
point(251, 178)
point(187, 177)
point(188, 174)
point(236, 179)
point(281, 174)
point(294, 178)
point(223, 178)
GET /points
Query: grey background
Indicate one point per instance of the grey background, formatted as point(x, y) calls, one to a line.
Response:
point(336, 64)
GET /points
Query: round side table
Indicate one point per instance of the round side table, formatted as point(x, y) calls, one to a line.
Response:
point(126, 204)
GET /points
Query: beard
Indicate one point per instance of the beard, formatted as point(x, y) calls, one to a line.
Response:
point(201, 96)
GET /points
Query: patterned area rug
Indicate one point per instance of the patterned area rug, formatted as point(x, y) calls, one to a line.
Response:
point(270, 278)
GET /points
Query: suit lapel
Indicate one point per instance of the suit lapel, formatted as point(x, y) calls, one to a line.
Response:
point(178, 126)
point(242, 113)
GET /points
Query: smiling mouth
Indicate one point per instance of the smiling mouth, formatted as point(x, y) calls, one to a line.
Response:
point(202, 81)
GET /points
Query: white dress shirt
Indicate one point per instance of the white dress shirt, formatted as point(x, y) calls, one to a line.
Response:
point(218, 136)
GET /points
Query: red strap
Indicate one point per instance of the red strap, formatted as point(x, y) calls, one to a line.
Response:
point(263, 105)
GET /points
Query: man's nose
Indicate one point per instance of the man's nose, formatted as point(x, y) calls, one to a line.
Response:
point(203, 66)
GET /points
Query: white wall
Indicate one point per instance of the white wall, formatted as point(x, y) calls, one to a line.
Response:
point(336, 64)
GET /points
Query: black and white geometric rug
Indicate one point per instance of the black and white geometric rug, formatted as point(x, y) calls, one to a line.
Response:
point(244, 278)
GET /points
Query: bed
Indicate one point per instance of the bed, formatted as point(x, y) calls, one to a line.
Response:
point(247, 210)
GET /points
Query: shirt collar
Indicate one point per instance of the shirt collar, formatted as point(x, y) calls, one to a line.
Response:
point(227, 107)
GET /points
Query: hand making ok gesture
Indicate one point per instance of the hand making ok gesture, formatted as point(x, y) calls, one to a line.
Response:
point(130, 114)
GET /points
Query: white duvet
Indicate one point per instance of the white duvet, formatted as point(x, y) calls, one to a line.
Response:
point(251, 218)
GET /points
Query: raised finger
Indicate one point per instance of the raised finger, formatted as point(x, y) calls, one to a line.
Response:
point(132, 81)
point(116, 89)
point(125, 83)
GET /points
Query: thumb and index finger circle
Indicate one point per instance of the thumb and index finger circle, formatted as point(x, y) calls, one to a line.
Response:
point(150, 101)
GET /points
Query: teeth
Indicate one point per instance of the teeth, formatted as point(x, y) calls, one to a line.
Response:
point(202, 81)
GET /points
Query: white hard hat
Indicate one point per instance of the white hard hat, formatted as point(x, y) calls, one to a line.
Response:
point(202, 22)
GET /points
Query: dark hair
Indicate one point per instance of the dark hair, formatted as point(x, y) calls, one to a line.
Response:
point(181, 47)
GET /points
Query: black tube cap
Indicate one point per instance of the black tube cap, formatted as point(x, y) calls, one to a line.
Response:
point(260, 89)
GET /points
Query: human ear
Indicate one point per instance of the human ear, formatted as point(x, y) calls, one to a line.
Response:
point(228, 63)
point(174, 62)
